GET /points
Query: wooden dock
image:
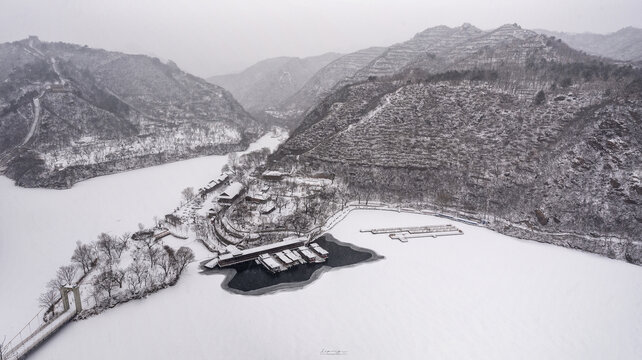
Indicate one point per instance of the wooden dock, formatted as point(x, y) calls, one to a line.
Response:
point(411, 232)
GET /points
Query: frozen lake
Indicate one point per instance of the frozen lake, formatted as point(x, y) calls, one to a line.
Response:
point(477, 296)
point(39, 227)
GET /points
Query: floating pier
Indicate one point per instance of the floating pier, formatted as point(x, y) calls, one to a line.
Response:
point(410, 232)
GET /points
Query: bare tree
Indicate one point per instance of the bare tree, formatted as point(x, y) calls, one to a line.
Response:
point(119, 277)
point(280, 203)
point(106, 246)
point(184, 256)
point(298, 222)
point(106, 282)
point(152, 254)
point(344, 196)
point(67, 274)
point(55, 284)
point(48, 299)
point(137, 275)
point(84, 255)
point(232, 160)
point(167, 262)
point(122, 243)
point(188, 193)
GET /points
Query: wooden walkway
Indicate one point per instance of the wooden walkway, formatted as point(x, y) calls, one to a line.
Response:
point(414, 229)
point(411, 232)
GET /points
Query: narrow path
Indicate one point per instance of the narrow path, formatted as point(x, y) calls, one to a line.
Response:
point(54, 65)
point(36, 119)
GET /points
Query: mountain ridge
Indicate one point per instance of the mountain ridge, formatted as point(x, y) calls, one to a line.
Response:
point(510, 124)
point(624, 44)
point(69, 112)
point(267, 83)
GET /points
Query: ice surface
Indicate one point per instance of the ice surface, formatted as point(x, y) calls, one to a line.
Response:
point(39, 227)
point(477, 296)
point(480, 295)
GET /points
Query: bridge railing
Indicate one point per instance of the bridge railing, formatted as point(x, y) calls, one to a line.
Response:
point(38, 328)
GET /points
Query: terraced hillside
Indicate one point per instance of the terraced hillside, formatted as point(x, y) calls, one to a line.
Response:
point(68, 113)
point(435, 50)
point(561, 165)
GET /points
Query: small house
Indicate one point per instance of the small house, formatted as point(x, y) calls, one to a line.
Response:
point(231, 193)
point(272, 175)
point(259, 198)
point(173, 220)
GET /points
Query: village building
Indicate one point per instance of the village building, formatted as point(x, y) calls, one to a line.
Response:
point(319, 250)
point(307, 254)
point(267, 208)
point(213, 185)
point(231, 193)
point(272, 175)
point(173, 220)
point(259, 198)
point(236, 256)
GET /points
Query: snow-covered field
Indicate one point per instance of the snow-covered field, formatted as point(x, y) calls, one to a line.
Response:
point(39, 227)
point(477, 296)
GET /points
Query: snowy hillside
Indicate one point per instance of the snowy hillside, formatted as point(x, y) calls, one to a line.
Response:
point(264, 85)
point(69, 112)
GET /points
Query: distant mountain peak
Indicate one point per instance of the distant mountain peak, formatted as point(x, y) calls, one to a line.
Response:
point(624, 44)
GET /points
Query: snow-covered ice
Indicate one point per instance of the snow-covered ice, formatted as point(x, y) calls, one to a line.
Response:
point(39, 227)
point(477, 296)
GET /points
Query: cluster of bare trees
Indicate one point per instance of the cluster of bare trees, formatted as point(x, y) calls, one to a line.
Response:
point(120, 269)
point(150, 267)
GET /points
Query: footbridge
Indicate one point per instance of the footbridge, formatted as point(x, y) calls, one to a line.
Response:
point(42, 326)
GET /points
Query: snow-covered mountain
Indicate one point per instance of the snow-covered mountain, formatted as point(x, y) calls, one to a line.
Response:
point(69, 112)
point(624, 44)
point(434, 50)
point(264, 85)
point(322, 83)
point(507, 123)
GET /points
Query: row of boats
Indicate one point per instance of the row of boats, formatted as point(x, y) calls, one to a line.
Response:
point(285, 259)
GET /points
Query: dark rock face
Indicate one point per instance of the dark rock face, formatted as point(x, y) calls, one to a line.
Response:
point(461, 130)
point(541, 218)
point(68, 113)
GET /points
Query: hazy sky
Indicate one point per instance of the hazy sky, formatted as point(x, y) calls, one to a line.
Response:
point(209, 37)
